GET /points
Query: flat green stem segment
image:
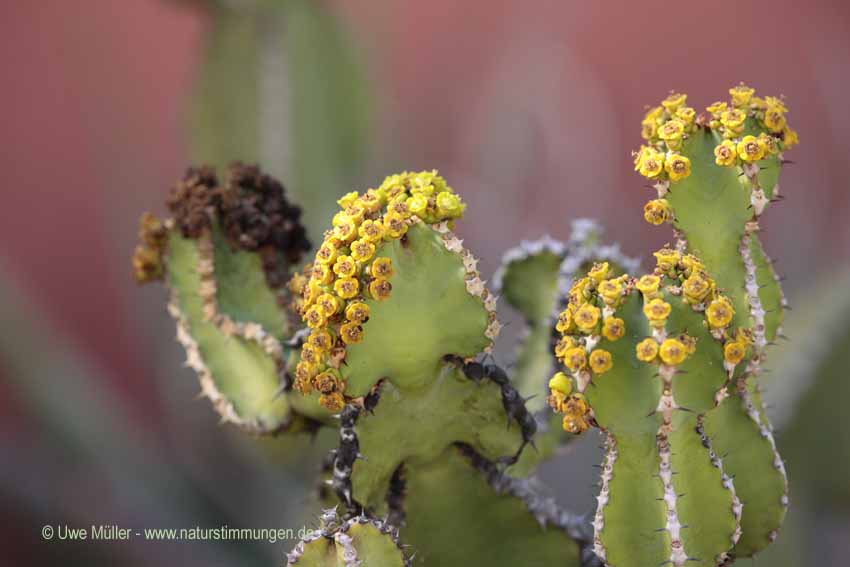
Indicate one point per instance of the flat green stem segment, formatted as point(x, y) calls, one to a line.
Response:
point(712, 206)
point(702, 374)
point(455, 519)
point(749, 458)
point(625, 398)
point(530, 285)
point(770, 292)
point(703, 503)
point(415, 427)
point(429, 314)
point(635, 515)
point(240, 370)
point(243, 293)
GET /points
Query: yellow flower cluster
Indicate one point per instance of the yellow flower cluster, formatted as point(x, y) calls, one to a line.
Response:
point(573, 405)
point(665, 127)
point(767, 116)
point(689, 279)
point(347, 272)
point(588, 317)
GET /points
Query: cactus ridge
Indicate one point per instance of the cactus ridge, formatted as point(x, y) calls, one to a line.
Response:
point(358, 541)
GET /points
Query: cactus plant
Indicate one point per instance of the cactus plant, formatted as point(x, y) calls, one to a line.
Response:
point(667, 364)
point(388, 332)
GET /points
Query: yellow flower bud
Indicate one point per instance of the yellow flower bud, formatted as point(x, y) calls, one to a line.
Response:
point(449, 205)
point(789, 138)
point(348, 199)
point(560, 382)
point(418, 205)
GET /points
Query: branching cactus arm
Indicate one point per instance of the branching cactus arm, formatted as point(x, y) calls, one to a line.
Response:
point(226, 256)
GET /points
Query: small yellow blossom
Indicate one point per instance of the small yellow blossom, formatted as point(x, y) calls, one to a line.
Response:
point(380, 289)
point(346, 288)
point(657, 311)
point(322, 274)
point(696, 287)
point(774, 119)
point(345, 266)
point(771, 146)
point(346, 230)
point(725, 153)
point(351, 333)
point(599, 271)
point(719, 313)
point(309, 354)
point(357, 312)
point(734, 351)
point(394, 225)
point(672, 130)
point(613, 328)
point(789, 138)
point(327, 253)
point(329, 304)
point(717, 108)
point(362, 250)
point(560, 382)
point(667, 258)
point(677, 166)
point(314, 317)
point(371, 230)
point(672, 352)
point(333, 402)
point(355, 212)
point(575, 358)
point(321, 340)
point(651, 163)
point(741, 95)
point(587, 317)
point(610, 290)
point(600, 361)
point(565, 320)
point(418, 205)
point(648, 285)
point(449, 205)
point(750, 148)
point(647, 350)
point(657, 212)
point(733, 118)
point(563, 345)
point(382, 268)
point(686, 114)
point(674, 101)
point(348, 199)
